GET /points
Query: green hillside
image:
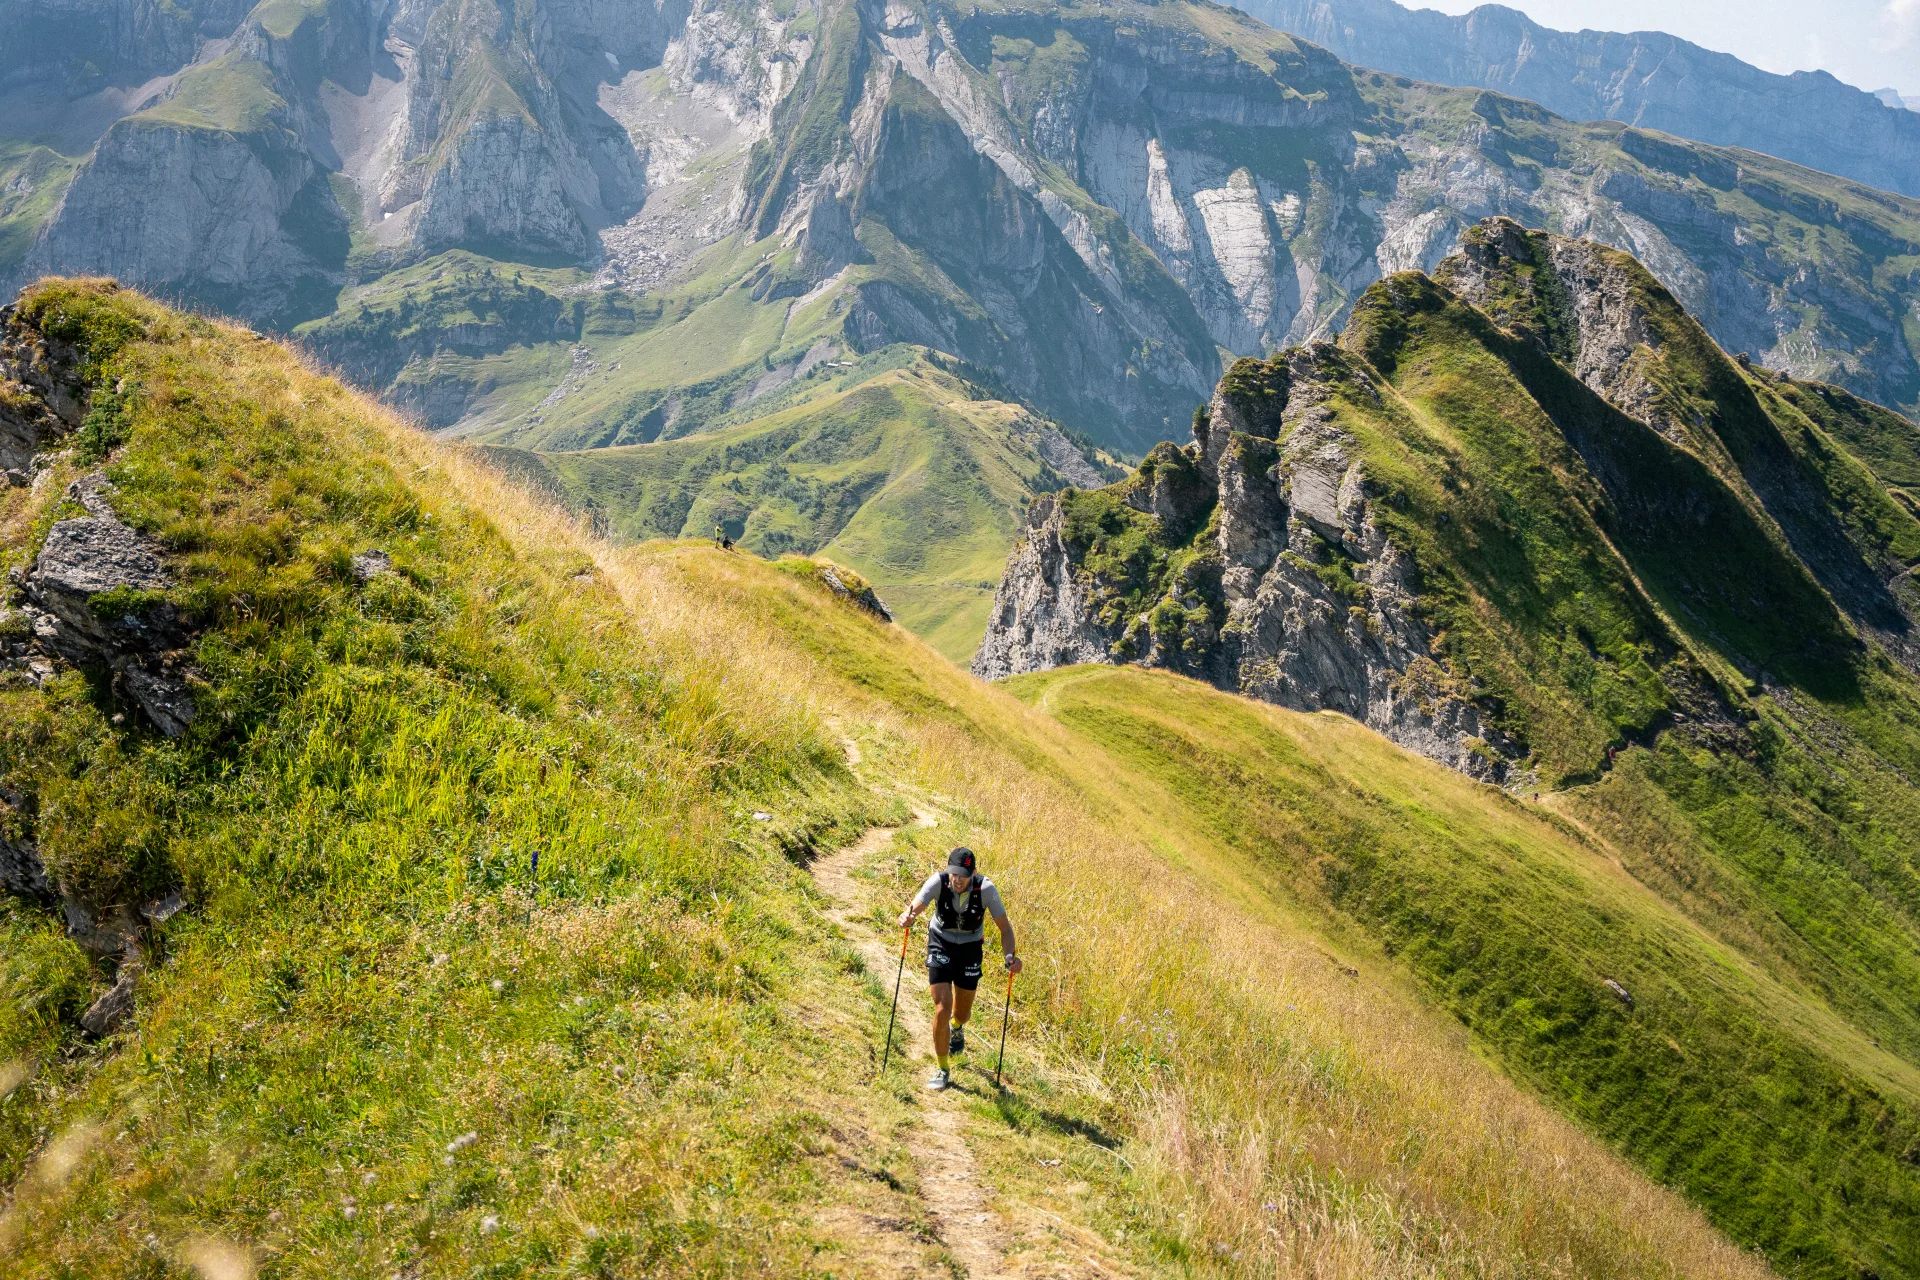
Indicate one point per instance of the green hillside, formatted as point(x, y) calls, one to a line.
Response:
point(901, 469)
point(1685, 604)
point(376, 1038)
point(1729, 1076)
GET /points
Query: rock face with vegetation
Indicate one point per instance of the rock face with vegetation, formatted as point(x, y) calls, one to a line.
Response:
point(1349, 531)
point(1089, 203)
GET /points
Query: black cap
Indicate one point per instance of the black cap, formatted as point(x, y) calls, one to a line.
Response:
point(961, 859)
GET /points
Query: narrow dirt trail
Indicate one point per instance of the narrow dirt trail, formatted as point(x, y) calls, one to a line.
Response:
point(956, 1198)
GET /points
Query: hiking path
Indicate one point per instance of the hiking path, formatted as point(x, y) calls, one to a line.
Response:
point(958, 1199)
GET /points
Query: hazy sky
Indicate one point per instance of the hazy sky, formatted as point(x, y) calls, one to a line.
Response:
point(1870, 43)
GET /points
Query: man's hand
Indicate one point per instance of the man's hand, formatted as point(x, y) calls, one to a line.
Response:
point(906, 918)
point(1015, 964)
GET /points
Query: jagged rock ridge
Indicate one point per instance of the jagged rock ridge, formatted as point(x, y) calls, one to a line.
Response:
point(1287, 554)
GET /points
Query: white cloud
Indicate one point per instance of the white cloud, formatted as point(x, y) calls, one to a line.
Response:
point(1899, 25)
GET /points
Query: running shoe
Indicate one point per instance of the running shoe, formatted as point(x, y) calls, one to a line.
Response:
point(957, 1039)
point(938, 1080)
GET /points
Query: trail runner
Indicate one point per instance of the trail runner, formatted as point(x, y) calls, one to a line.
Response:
point(962, 900)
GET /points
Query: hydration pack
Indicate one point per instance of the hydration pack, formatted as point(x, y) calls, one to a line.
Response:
point(952, 918)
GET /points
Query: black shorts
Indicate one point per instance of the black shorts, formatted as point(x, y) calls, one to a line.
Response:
point(955, 962)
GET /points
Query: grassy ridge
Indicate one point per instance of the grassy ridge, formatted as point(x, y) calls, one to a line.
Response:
point(660, 1057)
point(909, 475)
point(373, 966)
point(1788, 1125)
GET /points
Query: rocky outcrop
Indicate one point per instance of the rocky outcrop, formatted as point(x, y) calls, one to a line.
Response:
point(1043, 611)
point(1580, 306)
point(21, 871)
point(856, 592)
point(1590, 307)
point(96, 595)
point(244, 220)
point(1281, 584)
point(41, 399)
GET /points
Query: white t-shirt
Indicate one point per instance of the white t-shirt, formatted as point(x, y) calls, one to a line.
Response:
point(989, 898)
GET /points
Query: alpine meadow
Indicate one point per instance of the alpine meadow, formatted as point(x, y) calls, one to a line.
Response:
point(1052, 640)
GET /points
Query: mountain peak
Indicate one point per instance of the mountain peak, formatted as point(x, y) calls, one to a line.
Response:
point(1319, 543)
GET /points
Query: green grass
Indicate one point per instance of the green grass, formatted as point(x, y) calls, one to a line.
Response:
point(373, 966)
point(1710, 1081)
point(908, 475)
point(232, 94)
point(32, 180)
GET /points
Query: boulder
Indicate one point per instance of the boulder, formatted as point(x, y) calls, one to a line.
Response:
point(84, 559)
point(104, 1016)
point(855, 592)
point(21, 871)
point(369, 565)
point(163, 696)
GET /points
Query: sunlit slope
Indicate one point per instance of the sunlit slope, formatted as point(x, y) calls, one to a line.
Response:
point(1724, 1077)
point(911, 475)
point(370, 963)
point(1283, 1089)
point(377, 1038)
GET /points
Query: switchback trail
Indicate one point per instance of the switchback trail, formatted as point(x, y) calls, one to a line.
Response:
point(985, 1244)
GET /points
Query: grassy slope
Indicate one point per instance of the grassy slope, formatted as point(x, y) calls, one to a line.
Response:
point(32, 180)
point(660, 1053)
point(907, 475)
point(1788, 1123)
point(1589, 579)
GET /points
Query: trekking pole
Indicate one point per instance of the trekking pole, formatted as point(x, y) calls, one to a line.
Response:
point(1006, 1011)
point(886, 1057)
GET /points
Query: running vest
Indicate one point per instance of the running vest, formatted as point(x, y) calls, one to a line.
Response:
point(953, 920)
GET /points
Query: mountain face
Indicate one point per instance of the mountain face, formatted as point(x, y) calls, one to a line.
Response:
point(1523, 512)
point(1091, 203)
point(1647, 78)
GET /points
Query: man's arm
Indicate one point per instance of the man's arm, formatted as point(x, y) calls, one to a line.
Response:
point(917, 904)
point(1007, 947)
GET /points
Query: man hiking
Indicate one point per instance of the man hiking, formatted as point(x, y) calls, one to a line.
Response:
point(962, 900)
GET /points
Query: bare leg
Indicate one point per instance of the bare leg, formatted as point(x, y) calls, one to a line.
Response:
point(943, 1017)
point(962, 1006)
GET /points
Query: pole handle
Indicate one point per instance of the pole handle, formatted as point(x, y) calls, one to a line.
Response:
point(906, 936)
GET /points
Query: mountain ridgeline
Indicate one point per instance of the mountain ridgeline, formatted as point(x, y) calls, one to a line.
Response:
point(1647, 79)
point(473, 207)
point(1523, 513)
point(1526, 519)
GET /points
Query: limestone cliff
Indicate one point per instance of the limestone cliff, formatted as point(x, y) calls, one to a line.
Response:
point(1093, 202)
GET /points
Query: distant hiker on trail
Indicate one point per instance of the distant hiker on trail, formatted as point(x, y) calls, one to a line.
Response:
point(962, 901)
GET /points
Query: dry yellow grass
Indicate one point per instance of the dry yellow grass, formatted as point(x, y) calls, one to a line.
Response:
point(1298, 1122)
